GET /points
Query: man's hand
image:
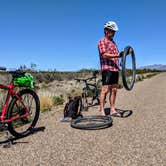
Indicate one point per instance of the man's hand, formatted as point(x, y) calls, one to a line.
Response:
point(130, 51)
point(121, 54)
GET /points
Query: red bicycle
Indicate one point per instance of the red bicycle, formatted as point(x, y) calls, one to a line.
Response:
point(20, 112)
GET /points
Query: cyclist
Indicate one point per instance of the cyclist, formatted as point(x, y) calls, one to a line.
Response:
point(109, 62)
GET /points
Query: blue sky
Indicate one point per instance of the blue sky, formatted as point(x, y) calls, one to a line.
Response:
point(63, 34)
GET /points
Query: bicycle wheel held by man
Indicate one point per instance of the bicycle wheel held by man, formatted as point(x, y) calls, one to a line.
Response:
point(109, 54)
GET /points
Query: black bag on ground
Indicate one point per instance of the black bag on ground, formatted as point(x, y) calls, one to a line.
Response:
point(73, 107)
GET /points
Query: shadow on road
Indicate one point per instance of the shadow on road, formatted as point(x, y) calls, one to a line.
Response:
point(7, 142)
point(92, 105)
point(124, 113)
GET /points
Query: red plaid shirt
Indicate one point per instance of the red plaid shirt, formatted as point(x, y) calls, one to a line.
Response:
point(108, 46)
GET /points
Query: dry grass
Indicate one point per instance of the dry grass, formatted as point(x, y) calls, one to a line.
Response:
point(46, 103)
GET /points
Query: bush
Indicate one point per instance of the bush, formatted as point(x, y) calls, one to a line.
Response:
point(58, 100)
point(151, 75)
point(139, 78)
point(45, 85)
point(74, 92)
point(143, 77)
point(45, 103)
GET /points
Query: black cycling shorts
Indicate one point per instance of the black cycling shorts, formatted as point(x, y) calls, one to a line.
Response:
point(110, 77)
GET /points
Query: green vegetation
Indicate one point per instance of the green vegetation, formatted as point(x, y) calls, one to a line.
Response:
point(58, 100)
point(49, 76)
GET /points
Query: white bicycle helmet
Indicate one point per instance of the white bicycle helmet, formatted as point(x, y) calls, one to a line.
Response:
point(111, 25)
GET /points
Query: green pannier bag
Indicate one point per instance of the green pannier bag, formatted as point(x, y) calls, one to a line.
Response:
point(24, 81)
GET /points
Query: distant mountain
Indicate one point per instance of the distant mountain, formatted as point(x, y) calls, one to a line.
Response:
point(155, 66)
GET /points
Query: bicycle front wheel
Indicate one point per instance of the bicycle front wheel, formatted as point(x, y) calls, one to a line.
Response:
point(84, 102)
point(23, 126)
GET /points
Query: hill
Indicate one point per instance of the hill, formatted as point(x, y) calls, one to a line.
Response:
point(155, 66)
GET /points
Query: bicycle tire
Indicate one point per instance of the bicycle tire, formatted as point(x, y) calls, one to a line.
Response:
point(84, 102)
point(11, 127)
point(105, 122)
point(124, 74)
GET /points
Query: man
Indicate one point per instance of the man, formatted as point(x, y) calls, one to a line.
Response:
point(109, 61)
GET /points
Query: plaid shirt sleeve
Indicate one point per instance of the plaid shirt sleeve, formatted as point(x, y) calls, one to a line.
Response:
point(101, 47)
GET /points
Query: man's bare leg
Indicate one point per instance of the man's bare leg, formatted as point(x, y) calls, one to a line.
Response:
point(104, 92)
point(113, 92)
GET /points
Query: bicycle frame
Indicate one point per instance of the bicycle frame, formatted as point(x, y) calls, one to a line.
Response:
point(88, 84)
point(93, 85)
point(11, 93)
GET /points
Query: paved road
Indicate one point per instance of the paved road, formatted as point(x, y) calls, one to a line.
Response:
point(139, 139)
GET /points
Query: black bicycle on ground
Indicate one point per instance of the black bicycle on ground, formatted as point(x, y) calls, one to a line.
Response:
point(91, 91)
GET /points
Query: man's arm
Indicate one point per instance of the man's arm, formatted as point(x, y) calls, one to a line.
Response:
point(109, 56)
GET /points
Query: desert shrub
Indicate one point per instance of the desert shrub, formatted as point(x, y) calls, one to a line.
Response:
point(73, 91)
point(151, 75)
point(49, 77)
point(45, 85)
point(58, 100)
point(45, 103)
point(143, 77)
point(58, 78)
point(39, 77)
point(139, 78)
